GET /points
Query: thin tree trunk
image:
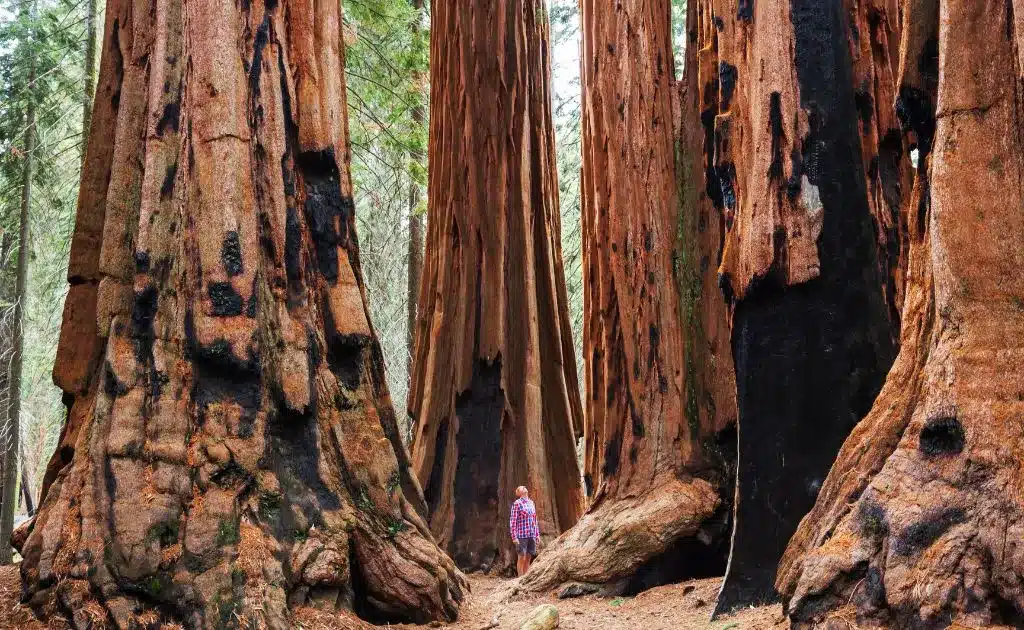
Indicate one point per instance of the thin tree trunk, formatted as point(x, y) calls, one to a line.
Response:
point(918, 523)
point(13, 428)
point(26, 485)
point(89, 83)
point(494, 396)
point(415, 224)
point(7, 299)
point(660, 435)
point(812, 333)
point(231, 450)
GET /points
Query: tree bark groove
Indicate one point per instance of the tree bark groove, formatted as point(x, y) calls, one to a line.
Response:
point(494, 396)
point(231, 451)
point(917, 522)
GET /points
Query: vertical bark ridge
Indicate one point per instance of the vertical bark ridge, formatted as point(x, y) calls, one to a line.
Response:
point(921, 506)
point(494, 396)
point(231, 450)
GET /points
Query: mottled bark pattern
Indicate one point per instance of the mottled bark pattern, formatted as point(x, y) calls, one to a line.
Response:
point(494, 396)
point(812, 338)
point(918, 524)
point(230, 451)
point(660, 399)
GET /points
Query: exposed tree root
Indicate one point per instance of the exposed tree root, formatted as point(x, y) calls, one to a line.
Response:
point(612, 541)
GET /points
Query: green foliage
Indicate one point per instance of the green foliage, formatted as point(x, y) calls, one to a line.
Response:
point(566, 88)
point(386, 65)
point(270, 505)
point(395, 527)
point(166, 532)
point(679, 35)
point(227, 532)
point(154, 585)
point(44, 38)
point(363, 501)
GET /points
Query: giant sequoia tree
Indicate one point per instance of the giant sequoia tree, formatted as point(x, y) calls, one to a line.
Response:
point(919, 522)
point(806, 166)
point(230, 449)
point(494, 395)
point(660, 432)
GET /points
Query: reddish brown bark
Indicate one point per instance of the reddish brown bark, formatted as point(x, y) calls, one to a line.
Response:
point(660, 403)
point(231, 451)
point(494, 395)
point(917, 523)
point(807, 173)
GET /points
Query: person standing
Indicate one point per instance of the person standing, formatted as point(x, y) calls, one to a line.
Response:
point(525, 531)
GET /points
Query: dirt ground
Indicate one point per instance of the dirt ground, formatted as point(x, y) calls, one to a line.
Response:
point(677, 607)
point(684, 606)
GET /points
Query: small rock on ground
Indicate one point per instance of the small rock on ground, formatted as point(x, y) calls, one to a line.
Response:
point(543, 617)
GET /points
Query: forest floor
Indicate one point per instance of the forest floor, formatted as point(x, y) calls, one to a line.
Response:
point(684, 606)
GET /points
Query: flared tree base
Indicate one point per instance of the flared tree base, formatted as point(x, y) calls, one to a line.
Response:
point(618, 539)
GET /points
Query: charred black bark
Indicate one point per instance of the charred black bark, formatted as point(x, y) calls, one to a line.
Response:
point(810, 358)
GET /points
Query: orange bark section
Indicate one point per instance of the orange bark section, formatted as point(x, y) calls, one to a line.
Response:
point(633, 339)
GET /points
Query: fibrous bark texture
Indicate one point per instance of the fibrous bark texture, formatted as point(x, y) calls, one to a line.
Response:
point(806, 229)
point(919, 520)
point(659, 445)
point(230, 450)
point(494, 396)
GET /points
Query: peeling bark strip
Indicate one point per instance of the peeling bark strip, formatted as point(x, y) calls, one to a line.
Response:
point(660, 405)
point(230, 451)
point(812, 337)
point(923, 504)
point(494, 395)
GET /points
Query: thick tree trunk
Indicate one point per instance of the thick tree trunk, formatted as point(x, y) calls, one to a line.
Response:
point(812, 336)
point(918, 520)
point(12, 432)
point(660, 404)
point(494, 396)
point(231, 451)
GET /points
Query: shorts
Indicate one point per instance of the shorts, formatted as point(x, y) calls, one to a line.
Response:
point(527, 547)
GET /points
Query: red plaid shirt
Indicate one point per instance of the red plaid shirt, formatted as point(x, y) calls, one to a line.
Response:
point(523, 522)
